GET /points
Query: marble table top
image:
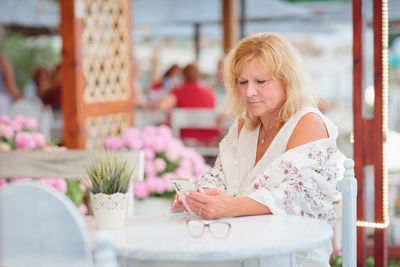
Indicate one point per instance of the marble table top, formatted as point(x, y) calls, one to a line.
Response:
point(165, 238)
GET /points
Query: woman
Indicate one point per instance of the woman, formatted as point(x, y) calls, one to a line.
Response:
point(280, 156)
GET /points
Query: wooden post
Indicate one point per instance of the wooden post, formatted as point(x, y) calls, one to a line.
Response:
point(72, 76)
point(230, 23)
point(369, 134)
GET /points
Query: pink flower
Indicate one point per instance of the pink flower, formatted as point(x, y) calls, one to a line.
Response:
point(4, 119)
point(167, 177)
point(18, 123)
point(24, 141)
point(140, 190)
point(149, 154)
point(57, 183)
point(83, 209)
point(21, 179)
point(155, 184)
point(149, 168)
point(30, 123)
point(339, 251)
point(149, 130)
point(130, 134)
point(159, 164)
point(135, 144)
point(165, 131)
point(6, 131)
point(113, 143)
point(157, 144)
point(39, 139)
point(3, 183)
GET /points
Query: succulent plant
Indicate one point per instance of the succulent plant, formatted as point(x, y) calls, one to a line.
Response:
point(108, 174)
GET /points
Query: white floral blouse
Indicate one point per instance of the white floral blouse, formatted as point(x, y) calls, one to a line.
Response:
point(300, 181)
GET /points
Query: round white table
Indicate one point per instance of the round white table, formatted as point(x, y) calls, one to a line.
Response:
point(163, 240)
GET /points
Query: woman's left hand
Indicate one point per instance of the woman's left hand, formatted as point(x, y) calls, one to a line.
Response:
point(211, 203)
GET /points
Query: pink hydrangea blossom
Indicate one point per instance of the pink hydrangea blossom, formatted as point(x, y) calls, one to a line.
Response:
point(30, 124)
point(21, 179)
point(140, 189)
point(149, 168)
point(83, 209)
point(165, 131)
point(18, 123)
point(155, 184)
point(39, 139)
point(3, 183)
point(130, 134)
point(135, 144)
point(5, 119)
point(24, 141)
point(167, 181)
point(56, 183)
point(6, 130)
point(159, 164)
point(113, 143)
point(149, 154)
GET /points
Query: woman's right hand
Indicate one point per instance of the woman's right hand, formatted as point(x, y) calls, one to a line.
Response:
point(177, 204)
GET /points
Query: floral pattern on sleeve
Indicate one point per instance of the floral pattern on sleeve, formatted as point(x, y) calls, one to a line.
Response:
point(214, 178)
point(306, 190)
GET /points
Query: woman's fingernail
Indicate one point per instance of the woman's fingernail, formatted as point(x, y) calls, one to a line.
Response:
point(201, 189)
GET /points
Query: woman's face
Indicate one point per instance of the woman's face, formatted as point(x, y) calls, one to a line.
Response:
point(261, 93)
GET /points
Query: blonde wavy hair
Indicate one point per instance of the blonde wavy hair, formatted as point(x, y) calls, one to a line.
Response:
point(277, 57)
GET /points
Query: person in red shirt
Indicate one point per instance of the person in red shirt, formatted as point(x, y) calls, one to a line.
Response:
point(192, 94)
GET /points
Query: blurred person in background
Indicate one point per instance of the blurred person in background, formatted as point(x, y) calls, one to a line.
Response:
point(172, 78)
point(42, 78)
point(192, 94)
point(137, 86)
point(49, 85)
point(9, 91)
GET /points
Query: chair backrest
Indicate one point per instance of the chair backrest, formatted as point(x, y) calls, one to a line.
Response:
point(348, 188)
point(27, 108)
point(195, 118)
point(201, 118)
point(39, 227)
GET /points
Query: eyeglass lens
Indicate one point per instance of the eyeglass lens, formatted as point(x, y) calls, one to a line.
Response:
point(217, 229)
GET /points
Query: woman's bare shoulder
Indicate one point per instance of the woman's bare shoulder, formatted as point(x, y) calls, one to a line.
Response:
point(309, 128)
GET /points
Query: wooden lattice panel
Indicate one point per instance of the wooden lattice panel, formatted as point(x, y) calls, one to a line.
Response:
point(106, 57)
point(100, 127)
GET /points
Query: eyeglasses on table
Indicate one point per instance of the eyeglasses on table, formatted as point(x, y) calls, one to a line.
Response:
point(218, 229)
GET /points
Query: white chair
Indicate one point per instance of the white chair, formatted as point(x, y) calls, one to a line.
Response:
point(42, 227)
point(348, 188)
point(195, 118)
point(27, 108)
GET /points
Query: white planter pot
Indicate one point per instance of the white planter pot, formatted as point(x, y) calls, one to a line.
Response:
point(109, 210)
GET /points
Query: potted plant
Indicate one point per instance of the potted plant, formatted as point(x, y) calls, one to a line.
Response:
point(108, 182)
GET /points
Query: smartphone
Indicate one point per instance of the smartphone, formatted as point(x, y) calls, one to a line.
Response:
point(182, 185)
